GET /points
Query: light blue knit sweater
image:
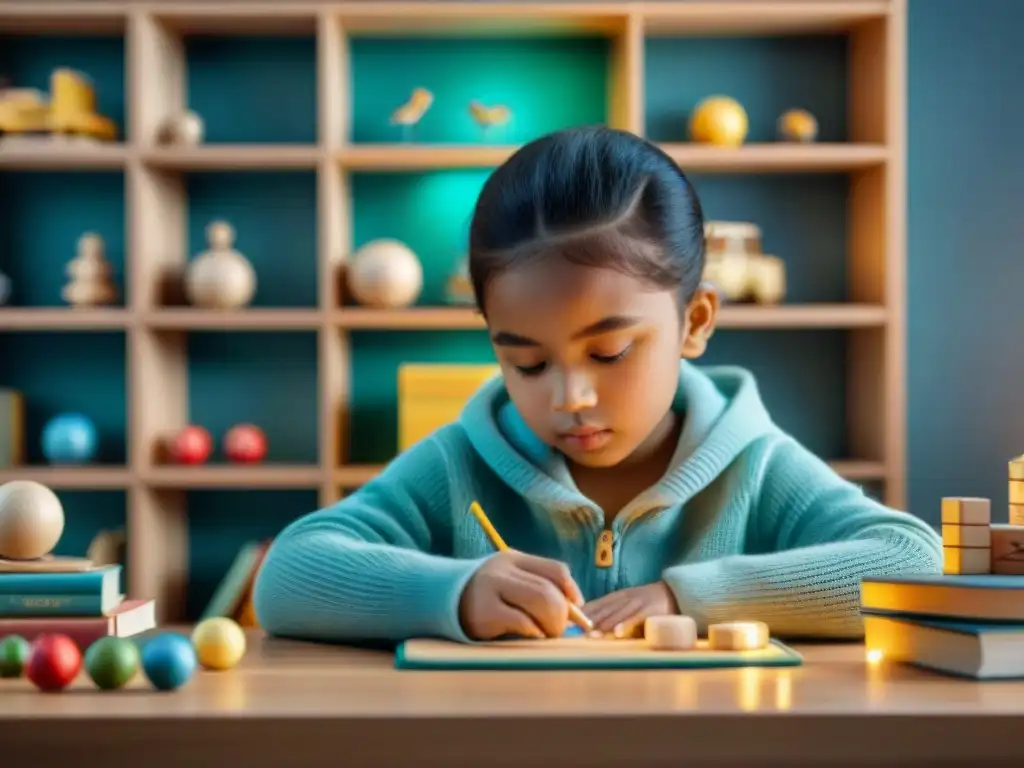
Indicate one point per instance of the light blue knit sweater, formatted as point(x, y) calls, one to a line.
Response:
point(747, 524)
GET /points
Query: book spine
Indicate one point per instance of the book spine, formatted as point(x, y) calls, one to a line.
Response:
point(82, 632)
point(53, 583)
point(51, 605)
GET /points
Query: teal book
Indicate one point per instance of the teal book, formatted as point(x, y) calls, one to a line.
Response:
point(980, 651)
point(83, 593)
point(983, 599)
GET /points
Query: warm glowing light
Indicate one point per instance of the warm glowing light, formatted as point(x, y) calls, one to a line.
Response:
point(784, 692)
point(874, 656)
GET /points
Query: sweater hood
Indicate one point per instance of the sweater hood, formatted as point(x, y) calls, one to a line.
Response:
point(723, 414)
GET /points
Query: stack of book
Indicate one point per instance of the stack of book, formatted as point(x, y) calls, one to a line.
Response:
point(968, 620)
point(85, 604)
point(233, 597)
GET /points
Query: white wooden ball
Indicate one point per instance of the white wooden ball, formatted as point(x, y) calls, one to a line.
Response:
point(670, 633)
point(385, 274)
point(31, 520)
point(220, 278)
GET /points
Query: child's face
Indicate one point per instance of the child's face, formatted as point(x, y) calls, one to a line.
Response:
point(591, 356)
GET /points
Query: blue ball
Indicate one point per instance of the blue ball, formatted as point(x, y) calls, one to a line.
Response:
point(168, 661)
point(69, 438)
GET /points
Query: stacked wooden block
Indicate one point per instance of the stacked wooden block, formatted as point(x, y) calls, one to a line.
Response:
point(973, 544)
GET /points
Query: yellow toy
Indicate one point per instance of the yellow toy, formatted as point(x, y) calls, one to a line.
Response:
point(797, 125)
point(219, 643)
point(720, 121)
point(71, 110)
point(430, 396)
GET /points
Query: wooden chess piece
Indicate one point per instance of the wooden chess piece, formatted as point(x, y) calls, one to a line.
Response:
point(90, 282)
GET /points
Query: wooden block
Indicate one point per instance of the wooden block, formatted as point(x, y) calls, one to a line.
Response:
point(954, 535)
point(966, 510)
point(12, 428)
point(964, 560)
point(738, 636)
point(670, 633)
point(1017, 491)
point(1017, 514)
point(1016, 467)
point(1008, 549)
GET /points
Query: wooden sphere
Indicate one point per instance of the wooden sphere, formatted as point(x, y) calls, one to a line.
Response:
point(220, 278)
point(719, 120)
point(31, 520)
point(219, 642)
point(385, 274)
point(797, 125)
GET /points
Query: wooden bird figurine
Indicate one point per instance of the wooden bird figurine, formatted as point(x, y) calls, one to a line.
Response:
point(410, 113)
point(488, 117)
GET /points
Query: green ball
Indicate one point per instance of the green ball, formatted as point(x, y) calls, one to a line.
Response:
point(14, 651)
point(112, 662)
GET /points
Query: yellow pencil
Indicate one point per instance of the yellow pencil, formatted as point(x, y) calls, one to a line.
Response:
point(575, 613)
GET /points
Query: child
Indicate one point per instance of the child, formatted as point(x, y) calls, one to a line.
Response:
point(621, 476)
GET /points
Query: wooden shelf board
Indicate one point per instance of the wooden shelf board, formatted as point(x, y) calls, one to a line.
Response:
point(855, 470)
point(777, 157)
point(228, 157)
point(46, 155)
point(246, 18)
point(737, 316)
point(356, 475)
point(78, 18)
point(63, 319)
point(88, 477)
point(416, 157)
point(212, 476)
point(452, 19)
point(262, 319)
point(776, 17)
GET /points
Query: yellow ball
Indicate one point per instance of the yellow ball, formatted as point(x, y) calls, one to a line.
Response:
point(719, 120)
point(219, 643)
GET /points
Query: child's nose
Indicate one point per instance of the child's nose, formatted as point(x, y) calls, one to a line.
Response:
point(574, 392)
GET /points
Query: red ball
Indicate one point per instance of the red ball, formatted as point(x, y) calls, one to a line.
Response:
point(192, 445)
point(53, 662)
point(245, 444)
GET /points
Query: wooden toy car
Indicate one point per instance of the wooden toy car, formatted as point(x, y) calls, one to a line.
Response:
point(71, 110)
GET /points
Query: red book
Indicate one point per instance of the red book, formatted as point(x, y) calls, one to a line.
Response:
point(130, 618)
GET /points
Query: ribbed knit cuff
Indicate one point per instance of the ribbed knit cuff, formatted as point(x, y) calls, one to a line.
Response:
point(700, 592)
point(448, 585)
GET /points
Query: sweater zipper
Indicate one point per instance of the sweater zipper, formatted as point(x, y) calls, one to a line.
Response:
point(604, 551)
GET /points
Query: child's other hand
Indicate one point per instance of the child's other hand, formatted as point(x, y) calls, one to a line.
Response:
point(623, 613)
point(518, 594)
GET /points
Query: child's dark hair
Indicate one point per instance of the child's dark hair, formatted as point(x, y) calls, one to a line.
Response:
point(595, 196)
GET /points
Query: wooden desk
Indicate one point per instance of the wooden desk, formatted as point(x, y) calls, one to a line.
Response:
point(291, 704)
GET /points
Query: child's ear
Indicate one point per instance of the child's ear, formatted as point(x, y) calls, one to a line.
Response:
point(700, 322)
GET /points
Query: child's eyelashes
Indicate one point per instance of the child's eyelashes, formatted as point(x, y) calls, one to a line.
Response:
point(613, 358)
point(539, 368)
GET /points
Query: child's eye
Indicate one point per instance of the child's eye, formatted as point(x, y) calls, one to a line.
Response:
point(612, 358)
point(531, 370)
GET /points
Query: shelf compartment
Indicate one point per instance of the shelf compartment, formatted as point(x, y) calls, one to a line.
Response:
point(730, 316)
point(72, 478)
point(42, 217)
point(260, 319)
point(58, 373)
point(69, 319)
point(211, 476)
point(447, 19)
point(257, 19)
point(229, 157)
point(506, 70)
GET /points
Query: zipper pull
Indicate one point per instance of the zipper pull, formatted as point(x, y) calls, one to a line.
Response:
point(603, 555)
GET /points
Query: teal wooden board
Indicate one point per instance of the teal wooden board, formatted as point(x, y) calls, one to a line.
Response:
point(578, 654)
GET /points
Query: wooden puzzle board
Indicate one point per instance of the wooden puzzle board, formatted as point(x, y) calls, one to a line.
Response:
point(581, 653)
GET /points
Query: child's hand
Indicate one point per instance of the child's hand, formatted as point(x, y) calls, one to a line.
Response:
point(623, 613)
point(518, 594)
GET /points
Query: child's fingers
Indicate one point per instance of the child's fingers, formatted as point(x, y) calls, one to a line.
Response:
point(539, 599)
point(624, 611)
point(554, 571)
point(515, 621)
point(598, 610)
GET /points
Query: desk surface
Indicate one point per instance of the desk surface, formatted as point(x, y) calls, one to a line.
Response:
point(291, 701)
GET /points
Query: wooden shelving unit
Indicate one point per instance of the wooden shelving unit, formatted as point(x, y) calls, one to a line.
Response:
point(155, 210)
